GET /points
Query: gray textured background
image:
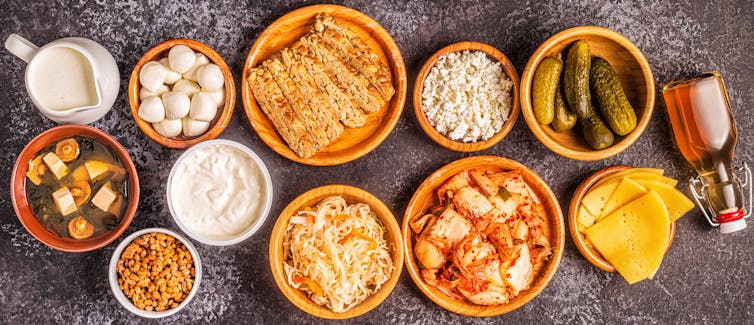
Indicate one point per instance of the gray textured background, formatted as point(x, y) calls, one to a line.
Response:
point(705, 277)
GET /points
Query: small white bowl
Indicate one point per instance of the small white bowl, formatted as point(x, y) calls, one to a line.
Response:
point(125, 301)
point(264, 211)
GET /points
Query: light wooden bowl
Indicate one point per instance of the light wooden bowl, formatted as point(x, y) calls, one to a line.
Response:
point(493, 54)
point(425, 197)
point(223, 115)
point(309, 199)
point(354, 142)
point(632, 70)
point(579, 239)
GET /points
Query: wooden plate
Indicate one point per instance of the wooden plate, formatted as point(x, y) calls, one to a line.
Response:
point(584, 247)
point(424, 198)
point(493, 54)
point(354, 142)
point(309, 199)
point(223, 115)
point(632, 70)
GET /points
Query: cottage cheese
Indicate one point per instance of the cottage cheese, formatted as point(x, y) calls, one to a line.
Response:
point(466, 96)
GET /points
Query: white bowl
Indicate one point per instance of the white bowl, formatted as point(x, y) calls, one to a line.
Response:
point(125, 301)
point(258, 222)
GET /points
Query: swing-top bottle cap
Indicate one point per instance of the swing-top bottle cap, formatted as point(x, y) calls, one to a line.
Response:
point(731, 220)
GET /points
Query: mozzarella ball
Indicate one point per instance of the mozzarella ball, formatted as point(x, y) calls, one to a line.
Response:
point(186, 86)
point(177, 104)
point(210, 77)
point(152, 75)
point(201, 60)
point(217, 95)
point(152, 110)
point(145, 93)
point(168, 128)
point(181, 58)
point(192, 128)
point(171, 77)
point(203, 107)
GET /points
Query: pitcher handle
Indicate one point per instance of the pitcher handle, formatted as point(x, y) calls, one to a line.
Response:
point(21, 47)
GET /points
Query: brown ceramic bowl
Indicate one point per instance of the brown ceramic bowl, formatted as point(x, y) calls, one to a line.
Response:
point(424, 198)
point(23, 208)
point(223, 115)
point(632, 69)
point(494, 55)
point(351, 195)
point(582, 244)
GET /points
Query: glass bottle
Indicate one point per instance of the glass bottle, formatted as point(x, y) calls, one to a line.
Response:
point(705, 132)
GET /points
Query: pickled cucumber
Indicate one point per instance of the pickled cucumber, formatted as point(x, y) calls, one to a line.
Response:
point(576, 79)
point(564, 118)
point(610, 97)
point(544, 87)
point(596, 133)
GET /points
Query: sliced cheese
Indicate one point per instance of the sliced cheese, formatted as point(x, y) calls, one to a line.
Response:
point(594, 201)
point(634, 237)
point(104, 197)
point(639, 173)
point(64, 201)
point(678, 204)
point(56, 166)
point(584, 218)
point(627, 191)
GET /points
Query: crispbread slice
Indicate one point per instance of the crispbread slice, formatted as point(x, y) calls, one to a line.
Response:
point(347, 109)
point(356, 53)
point(276, 107)
point(321, 108)
point(295, 99)
point(349, 79)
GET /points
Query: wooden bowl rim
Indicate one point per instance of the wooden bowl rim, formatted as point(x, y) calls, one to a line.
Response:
point(298, 298)
point(508, 68)
point(221, 121)
point(466, 308)
point(27, 218)
point(395, 106)
point(570, 35)
point(590, 254)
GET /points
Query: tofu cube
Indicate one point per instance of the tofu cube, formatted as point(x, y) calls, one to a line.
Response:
point(96, 168)
point(57, 166)
point(104, 197)
point(64, 201)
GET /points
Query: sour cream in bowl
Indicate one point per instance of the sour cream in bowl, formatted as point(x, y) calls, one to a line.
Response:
point(219, 192)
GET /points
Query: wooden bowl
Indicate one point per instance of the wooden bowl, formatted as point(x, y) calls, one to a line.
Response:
point(494, 55)
point(309, 199)
point(217, 125)
point(354, 142)
point(23, 208)
point(632, 70)
point(579, 239)
point(424, 198)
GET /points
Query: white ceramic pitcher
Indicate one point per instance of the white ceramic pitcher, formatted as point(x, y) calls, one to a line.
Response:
point(70, 80)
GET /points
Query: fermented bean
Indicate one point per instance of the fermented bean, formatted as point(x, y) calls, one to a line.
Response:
point(156, 272)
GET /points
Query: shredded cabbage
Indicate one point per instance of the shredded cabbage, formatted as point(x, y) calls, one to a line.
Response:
point(336, 253)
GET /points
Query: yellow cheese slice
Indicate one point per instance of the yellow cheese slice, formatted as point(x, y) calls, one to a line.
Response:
point(627, 191)
point(633, 238)
point(594, 200)
point(639, 175)
point(678, 204)
point(584, 218)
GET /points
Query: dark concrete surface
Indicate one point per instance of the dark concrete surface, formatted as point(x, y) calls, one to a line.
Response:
point(705, 277)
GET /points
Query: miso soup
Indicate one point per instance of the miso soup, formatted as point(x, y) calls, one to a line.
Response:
point(77, 187)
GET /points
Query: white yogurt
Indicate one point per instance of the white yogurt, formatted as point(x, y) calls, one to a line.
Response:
point(218, 192)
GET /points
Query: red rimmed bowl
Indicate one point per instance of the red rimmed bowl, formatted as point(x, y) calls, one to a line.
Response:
point(23, 208)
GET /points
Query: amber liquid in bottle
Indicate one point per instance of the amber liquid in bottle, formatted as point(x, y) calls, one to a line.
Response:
point(705, 132)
